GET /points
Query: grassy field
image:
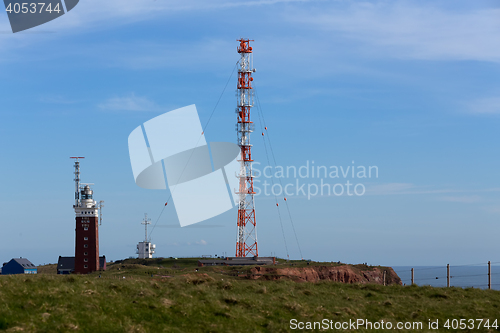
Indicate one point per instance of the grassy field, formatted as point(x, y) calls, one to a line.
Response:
point(168, 295)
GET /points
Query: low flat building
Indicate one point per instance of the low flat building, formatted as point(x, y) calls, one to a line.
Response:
point(18, 266)
point(238, 261)
point(66, 265)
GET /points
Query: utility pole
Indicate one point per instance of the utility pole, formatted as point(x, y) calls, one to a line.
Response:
point(448, 275)
point(489, 274)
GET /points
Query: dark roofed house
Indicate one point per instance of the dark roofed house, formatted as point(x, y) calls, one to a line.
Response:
point(66, 265)
point(18, 266)
point(102, 263)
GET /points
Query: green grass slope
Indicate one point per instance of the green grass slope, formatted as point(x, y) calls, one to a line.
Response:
point(126, 298)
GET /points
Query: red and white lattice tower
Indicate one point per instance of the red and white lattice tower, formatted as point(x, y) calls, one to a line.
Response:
point(246, 242)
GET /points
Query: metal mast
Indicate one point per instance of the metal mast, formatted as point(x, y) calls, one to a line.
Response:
point(246, 242)
point(146, 221)
point(77, 181)
point(101, 204)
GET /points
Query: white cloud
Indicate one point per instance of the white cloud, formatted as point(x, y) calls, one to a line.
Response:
point(409, 188)
point(97, 15)
point(56, 99)
point(92, 14)
point(486, 106)
point(401, 188)
point(462, 199)
point(200, 242)
point(129, 103)
point(390, 188)
point(148, 55)
point(493, 209)
point(397, 29)
point(386, 29)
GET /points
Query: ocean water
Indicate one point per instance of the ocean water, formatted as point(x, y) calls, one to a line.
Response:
point(475, 276)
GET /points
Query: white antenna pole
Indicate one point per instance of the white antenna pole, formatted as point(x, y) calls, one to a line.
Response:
point(146, 221)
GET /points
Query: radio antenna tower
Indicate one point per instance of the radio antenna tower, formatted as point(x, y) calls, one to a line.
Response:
point(77, 180)
point(246, 242)
point(146, 221)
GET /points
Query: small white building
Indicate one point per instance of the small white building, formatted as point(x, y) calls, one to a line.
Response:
point(145, 250)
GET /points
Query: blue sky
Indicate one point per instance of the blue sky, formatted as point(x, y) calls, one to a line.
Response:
point(408, 86)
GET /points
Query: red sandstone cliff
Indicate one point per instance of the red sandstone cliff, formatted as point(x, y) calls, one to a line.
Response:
point(345, 274)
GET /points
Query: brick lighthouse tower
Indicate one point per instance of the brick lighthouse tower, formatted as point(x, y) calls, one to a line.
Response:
point(87, 227)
